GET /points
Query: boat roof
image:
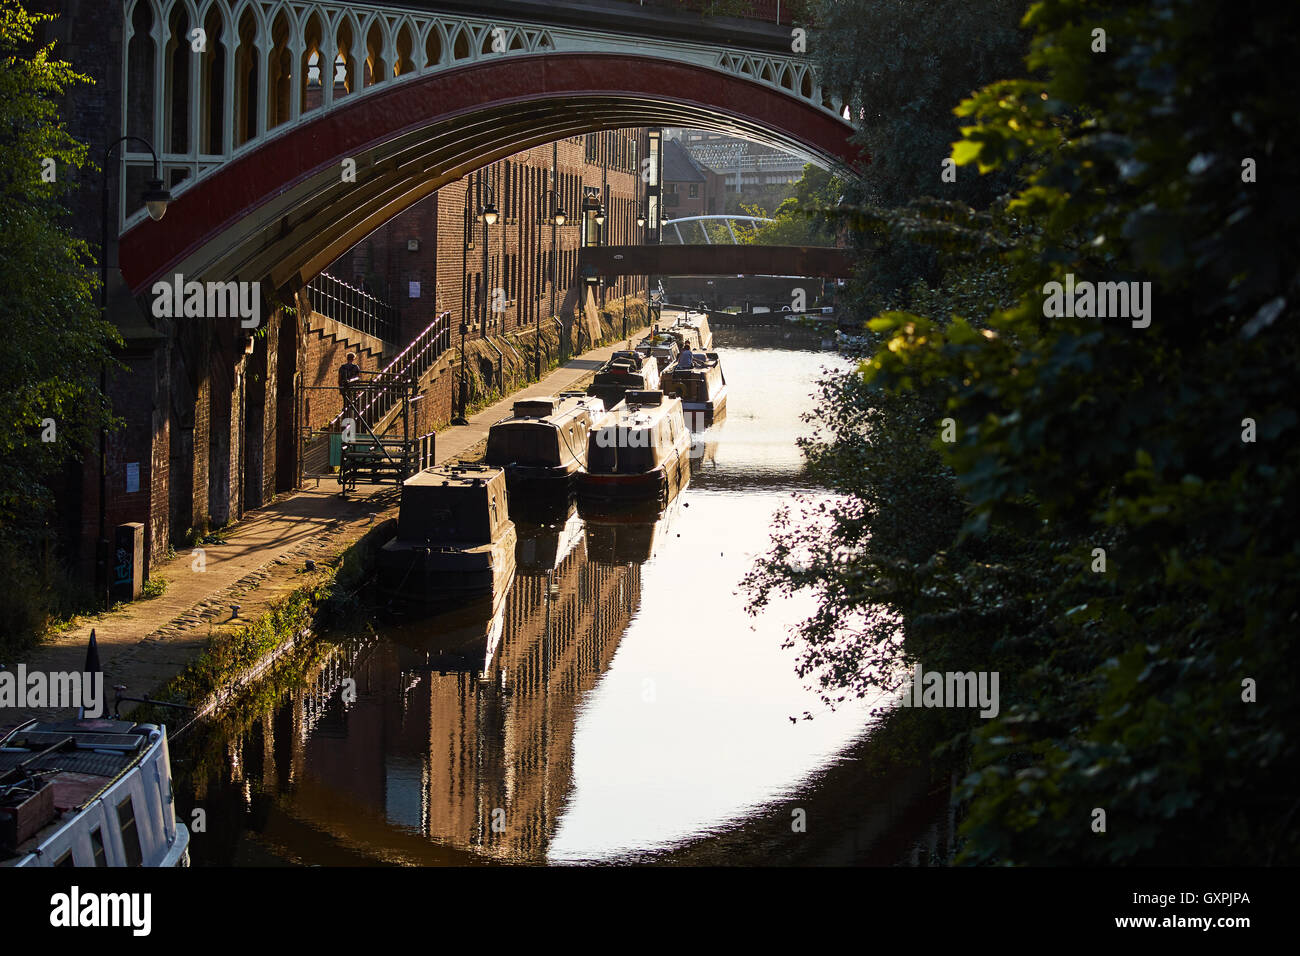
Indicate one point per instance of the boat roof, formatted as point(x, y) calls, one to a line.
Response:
point(637, 359)
point(635, 413)
point(79, 758)
point(554, 410)
point(454, 476)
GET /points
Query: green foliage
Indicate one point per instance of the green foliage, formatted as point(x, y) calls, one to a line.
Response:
point(806, 218)
point(1123, 688)
point(55, 339)
point(154, 587)
point(901, 67)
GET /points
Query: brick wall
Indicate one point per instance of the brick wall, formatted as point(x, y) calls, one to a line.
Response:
point(324, 351)
point(449, 263)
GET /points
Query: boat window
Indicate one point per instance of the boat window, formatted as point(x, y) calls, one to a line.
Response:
point(97, 845)
point(130, 834)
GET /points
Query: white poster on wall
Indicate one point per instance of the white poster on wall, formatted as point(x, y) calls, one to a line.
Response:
point(415, 290)
point(132, 476)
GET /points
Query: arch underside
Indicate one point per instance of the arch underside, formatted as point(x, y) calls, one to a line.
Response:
point(282, 212)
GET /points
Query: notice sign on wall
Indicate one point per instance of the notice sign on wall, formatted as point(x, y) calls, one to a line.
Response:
point(132, 476)
point(415, 290)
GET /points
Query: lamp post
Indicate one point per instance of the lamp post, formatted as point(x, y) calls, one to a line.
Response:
point(600, 241)
point(463, 387)
point(155, 199)
point(548, 200)
point(640, 224)
point(488, 213)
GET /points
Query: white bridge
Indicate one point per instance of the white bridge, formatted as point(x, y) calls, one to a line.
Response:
point(753, 221)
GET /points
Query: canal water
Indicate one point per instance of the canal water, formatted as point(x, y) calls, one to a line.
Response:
point(626, 708)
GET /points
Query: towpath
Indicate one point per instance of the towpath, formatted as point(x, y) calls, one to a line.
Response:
point(264, 557)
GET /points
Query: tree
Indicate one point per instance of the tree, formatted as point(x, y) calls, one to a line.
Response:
point(1127, 491)
point(803, 219)
point(55, 338)
point(901, 66)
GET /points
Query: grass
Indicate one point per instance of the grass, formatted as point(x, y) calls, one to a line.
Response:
point(154, 587)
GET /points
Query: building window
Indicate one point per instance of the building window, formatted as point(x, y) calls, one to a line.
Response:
point(695, 190)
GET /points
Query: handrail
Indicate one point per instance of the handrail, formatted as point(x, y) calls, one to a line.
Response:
point(353, 307)
point(409, 365)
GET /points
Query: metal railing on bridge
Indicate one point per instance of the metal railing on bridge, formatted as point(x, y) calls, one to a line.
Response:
point(352, 307)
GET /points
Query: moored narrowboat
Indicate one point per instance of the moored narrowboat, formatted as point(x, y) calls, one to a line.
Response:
point(455, 539)
point(543, 443)
point(88, 793)
point(625, 371)
point(662, 345)
point(695, 325)
point(702, 388)
point(642, 451)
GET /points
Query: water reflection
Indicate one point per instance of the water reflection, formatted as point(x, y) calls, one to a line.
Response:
point(617, 703)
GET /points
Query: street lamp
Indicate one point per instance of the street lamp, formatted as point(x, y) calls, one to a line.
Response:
point(155, 199)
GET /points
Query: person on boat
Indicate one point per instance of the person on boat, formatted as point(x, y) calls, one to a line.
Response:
point(687, 358)
point(349, 372)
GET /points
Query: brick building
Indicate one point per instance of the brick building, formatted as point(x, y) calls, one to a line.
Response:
point(431, 258)
point(690, 188)
point(214, 413)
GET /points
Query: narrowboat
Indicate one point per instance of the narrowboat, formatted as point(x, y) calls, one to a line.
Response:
point(641, 453)
point(543, 443)
point(696, 325)
point(455, 539)
point(702, 389)
point(88, 793)
point(662, 346)
point(625, 371)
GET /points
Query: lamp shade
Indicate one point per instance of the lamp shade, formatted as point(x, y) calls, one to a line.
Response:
point(156, 199)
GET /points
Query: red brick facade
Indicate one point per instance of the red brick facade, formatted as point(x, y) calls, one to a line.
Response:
point(519, 245)
point(212, 413)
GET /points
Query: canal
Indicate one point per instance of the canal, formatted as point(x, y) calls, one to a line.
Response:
point(628, 708)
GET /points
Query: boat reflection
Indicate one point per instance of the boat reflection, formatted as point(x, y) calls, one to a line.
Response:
point(628, 535)
point(449, 733)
